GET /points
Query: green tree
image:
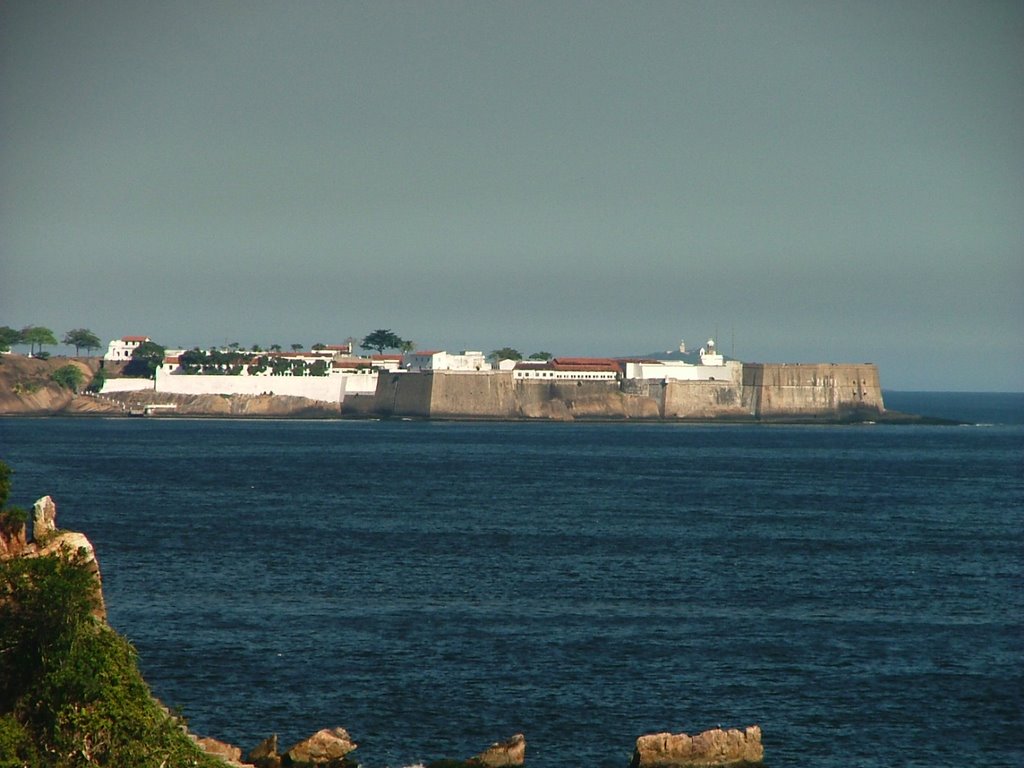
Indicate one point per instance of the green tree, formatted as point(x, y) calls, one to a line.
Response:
point(8, 338)
point(98, 380)
point(69, 376)
point(296, 347)
point(37, 335)
point(146, 358)
point(541, 356)
point(81, 338)
point(505, 353)
point(381, 339)
point(407, 347)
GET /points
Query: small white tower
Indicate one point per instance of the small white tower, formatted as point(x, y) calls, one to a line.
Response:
point(709, 356)
point(682, 347)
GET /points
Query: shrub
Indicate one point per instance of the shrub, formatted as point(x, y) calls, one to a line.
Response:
point(69, 376)
point(70, 690)
point(98, 380)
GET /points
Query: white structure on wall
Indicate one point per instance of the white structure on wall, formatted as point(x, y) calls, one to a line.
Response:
point(709, 356)
point(568, 369)
point(468, 361)
point(122, 349)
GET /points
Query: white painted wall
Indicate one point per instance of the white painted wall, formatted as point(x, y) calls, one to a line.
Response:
point(680, 371)
point(126, 385)
point(330, 389)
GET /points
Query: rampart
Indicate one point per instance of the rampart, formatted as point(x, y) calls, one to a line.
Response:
point(834, 391)
point(760, 391)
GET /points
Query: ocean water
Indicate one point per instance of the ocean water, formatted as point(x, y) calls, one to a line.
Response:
point(435, 587)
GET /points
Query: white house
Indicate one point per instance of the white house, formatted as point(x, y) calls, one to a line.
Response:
point(466, 361)
point(568, 368)
point(122, 349)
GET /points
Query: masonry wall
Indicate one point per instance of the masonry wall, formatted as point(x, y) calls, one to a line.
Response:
point(761, 391)
point(705, 400)
point(787, 390)
point(330, 389)
point(404, 394)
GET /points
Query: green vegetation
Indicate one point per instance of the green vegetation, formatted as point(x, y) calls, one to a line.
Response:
point(69, 376)
point(146, 358)
point(98, 380)
point(232, 363)
point(5, 483)
point(541, 356)
point(70, 690)
point(81, 338)
point(382, 339)
point(8, 338)
point(37, 336)
point(505, 353)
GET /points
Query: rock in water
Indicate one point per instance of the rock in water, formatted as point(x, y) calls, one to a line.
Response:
point(264, 754)
point(709, 748)
point(219, 749)
point(325, 747)
point(504, 753)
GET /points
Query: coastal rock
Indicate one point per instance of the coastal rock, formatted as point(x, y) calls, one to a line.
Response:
point(504, 753)
point(219, 749)
point(44, 518)
point(264, 754)
point(715, 747)
point(326, 747)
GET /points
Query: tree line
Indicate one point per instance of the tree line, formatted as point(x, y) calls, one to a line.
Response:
point(37, 336)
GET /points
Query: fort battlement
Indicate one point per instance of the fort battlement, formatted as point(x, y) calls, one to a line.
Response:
point(758, 391)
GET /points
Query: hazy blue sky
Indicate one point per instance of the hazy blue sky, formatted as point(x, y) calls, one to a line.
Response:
point(812, 181)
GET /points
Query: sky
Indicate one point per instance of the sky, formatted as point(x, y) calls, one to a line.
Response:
point(805, 181)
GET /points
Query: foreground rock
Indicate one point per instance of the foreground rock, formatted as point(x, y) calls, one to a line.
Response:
point(505, 753)
point(716, 747)
point(511, 752)
point(326, 747)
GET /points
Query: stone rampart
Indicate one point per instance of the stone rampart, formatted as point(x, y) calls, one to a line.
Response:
point(762, 391)
point(812, 390)
point(704, 400)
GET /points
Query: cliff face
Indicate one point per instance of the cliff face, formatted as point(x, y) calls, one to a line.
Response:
point(27, 389)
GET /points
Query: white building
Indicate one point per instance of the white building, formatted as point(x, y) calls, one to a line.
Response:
point(467, 361)
point(713, 367)
point(122, 349)
point(568, 369)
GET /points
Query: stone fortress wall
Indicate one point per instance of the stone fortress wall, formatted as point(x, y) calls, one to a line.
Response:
point(765, 391)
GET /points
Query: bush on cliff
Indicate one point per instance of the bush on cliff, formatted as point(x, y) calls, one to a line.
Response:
point(70, 691)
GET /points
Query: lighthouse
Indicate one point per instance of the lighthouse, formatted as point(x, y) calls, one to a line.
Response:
point(709, 355)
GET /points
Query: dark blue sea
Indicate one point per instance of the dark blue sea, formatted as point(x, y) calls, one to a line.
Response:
point(857, 591)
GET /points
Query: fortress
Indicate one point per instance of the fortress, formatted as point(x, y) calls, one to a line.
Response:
point(440, 385)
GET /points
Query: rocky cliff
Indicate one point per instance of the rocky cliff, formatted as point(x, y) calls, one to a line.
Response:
point(27, 389)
